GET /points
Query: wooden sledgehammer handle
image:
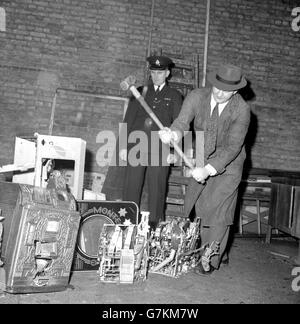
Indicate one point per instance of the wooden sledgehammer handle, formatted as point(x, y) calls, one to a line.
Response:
point(128, 83)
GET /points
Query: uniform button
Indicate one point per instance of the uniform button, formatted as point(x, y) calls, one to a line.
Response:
point(148, 122)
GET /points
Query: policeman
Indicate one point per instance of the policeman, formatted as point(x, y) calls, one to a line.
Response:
point(152, 165)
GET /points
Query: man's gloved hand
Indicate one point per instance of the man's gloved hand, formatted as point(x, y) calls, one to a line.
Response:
point(123, 155)
point(200, 174)
point(167, 135)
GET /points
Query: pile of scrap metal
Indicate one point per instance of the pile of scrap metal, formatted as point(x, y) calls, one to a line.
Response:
point(174, 247)
point(127, 252)
point(123, 251)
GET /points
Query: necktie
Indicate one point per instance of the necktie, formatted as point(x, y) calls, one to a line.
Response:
point(212, 131)
point(157, 90)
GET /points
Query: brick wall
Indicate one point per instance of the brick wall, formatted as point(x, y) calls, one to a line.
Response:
point(258, 36)
point(90, 46)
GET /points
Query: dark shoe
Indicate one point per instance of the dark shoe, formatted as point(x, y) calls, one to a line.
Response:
point(200, 271)
point(225, 262)
point(153, 226)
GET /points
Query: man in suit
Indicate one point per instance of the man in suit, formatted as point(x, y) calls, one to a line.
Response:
point(224, 117)
point(152, 164)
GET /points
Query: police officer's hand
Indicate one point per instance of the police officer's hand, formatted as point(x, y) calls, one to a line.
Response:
point(200, 174)
point(166, 135)
point(172, 158)
point(123, 155)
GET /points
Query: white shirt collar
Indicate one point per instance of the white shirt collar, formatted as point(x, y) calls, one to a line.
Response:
point(213, 104)
point(160, 87)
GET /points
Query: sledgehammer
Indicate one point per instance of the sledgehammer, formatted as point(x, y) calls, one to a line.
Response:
point(128, 83)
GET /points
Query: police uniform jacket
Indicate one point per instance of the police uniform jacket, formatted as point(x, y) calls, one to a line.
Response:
point(165, 104)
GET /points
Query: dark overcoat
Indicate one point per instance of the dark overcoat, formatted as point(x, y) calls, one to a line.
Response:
point(215, 201)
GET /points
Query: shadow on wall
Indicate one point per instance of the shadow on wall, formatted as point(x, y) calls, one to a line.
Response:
point(249, 96)
point(247, 92)
point(89, 161)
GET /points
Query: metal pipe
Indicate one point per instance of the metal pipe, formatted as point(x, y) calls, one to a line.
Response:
point(151, 27)
point(52, 114)
point(206, 43)
point(85, 93)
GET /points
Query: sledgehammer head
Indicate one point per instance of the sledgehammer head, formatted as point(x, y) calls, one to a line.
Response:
point(128, 82)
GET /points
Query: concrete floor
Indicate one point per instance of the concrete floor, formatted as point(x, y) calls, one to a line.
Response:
point(257, 273)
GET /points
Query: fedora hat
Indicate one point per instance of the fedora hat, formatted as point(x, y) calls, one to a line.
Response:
point(228, 78)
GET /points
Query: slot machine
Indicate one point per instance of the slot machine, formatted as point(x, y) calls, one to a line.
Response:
point(40, 228)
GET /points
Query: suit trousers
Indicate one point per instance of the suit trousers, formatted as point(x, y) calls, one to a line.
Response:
point(156, 177)
point(217, 233)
